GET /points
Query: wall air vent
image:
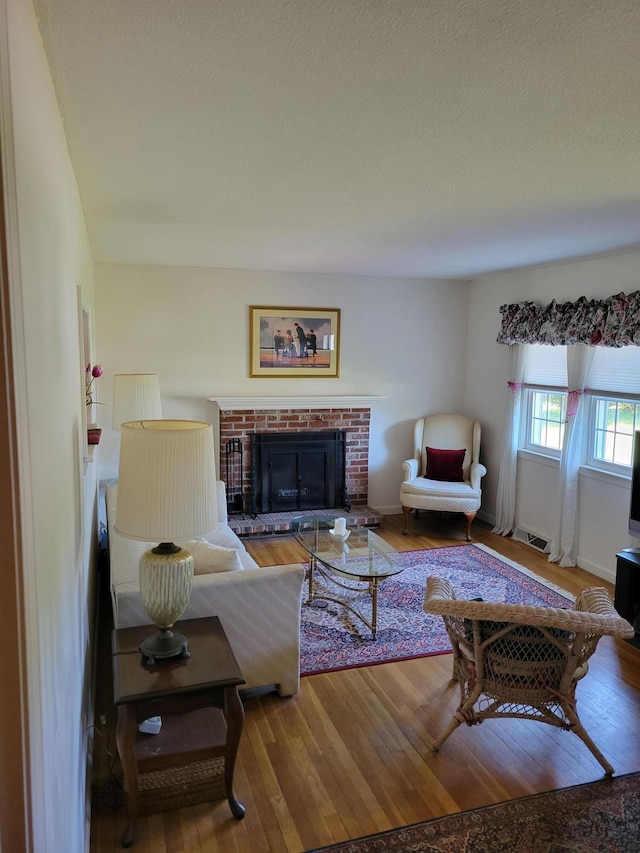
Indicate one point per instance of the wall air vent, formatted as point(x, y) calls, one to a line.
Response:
point(532, 539)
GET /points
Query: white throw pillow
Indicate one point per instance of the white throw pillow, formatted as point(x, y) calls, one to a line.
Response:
point(210, 558)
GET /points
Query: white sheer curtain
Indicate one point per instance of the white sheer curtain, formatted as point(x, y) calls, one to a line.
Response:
point(506, 497)
point(564, 545)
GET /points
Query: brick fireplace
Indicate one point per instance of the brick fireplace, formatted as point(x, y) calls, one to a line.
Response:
point(239, 423)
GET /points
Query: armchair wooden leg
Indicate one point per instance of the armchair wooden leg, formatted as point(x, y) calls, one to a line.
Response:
point(406, 510)
point(470, 516)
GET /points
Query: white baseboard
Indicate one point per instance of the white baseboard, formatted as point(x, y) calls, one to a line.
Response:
point(396, 509)
point(599, 571)
point(393, 509)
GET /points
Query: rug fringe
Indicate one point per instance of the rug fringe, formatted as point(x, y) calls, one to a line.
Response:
point(375, 662)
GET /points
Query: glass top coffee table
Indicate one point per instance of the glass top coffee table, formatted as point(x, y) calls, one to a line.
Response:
point(356, 554)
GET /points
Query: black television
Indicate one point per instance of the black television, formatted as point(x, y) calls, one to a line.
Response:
point(634, 504)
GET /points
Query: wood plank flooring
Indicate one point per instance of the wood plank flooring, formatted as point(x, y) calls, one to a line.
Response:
point(349, 755)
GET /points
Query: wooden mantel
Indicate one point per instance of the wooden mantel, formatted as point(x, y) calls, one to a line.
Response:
point(263, 403)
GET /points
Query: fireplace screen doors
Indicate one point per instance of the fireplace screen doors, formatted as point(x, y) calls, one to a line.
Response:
point(298, 471)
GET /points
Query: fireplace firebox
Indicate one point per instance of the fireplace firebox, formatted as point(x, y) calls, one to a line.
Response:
point(298, 471)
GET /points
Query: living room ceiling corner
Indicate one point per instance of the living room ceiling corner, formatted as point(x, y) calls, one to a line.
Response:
point(423, 138)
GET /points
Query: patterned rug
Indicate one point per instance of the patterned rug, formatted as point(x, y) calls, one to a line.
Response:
point(599, 817)
point(332, 638)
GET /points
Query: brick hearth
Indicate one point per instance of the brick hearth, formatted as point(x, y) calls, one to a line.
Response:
point(267, 524)
point(239, 423)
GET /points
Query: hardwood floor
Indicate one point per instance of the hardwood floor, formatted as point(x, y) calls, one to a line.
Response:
point(349, 755)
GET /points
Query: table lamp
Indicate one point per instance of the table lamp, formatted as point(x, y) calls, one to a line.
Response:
point(166, 491)
point(136, 396)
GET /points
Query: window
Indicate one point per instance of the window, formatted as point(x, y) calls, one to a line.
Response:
point(545, 374)
point(547, 412)
point(613, 423)
point(612, 403)
point(614, 408)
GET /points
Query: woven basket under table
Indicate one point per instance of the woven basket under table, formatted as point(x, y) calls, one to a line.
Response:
point(176, 787)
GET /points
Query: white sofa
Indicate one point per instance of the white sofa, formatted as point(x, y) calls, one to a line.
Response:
point(259, 608)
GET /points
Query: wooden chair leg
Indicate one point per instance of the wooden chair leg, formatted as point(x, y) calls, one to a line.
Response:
point(406, 510)
point(470, 516)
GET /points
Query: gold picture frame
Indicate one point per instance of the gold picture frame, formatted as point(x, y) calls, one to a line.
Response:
point(294, 342)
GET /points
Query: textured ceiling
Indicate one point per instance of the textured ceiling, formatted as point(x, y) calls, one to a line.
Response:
point(438, 138)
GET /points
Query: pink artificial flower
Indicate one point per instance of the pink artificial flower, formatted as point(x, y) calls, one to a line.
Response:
point(91, 373)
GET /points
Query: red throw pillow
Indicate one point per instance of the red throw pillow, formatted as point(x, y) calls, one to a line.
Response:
point(445, 464)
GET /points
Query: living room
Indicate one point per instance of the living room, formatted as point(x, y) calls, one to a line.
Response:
point(428, 366)
point(419, 343)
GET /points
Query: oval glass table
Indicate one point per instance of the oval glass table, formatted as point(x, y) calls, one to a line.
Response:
point(357, 555)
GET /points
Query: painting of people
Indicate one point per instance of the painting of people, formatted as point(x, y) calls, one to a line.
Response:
point(294, 341)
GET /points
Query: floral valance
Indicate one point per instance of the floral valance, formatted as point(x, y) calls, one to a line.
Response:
point(612, 322)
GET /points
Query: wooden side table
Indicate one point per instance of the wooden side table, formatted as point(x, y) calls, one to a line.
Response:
point(203, 686)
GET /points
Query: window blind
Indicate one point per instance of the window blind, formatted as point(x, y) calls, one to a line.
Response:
point(616, 369)
point(545, 365)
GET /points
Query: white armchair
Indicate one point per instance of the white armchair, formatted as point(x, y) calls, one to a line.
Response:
point(447, 481)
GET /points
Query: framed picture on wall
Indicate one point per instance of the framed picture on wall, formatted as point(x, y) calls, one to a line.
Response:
point(294, 342)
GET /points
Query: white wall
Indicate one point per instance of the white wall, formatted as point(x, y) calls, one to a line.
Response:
point(604, 501)
point(48, 261)
point(400, 338)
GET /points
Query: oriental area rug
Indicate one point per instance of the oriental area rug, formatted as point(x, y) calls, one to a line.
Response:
point(593, 818)
point(331, 638)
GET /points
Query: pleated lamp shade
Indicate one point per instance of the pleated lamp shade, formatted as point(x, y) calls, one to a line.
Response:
point(136, 396)
point(166, 480)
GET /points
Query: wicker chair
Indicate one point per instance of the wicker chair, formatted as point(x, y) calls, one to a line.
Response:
point(514, 660)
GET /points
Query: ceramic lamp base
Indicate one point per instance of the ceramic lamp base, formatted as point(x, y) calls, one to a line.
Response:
point(166, 575)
